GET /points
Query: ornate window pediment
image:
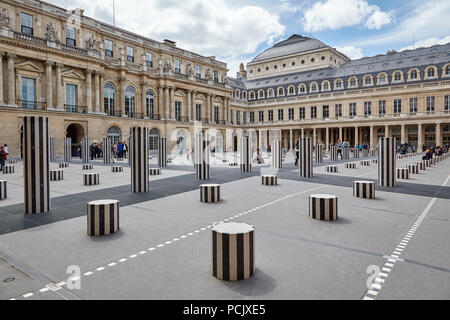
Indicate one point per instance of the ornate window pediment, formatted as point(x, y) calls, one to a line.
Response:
point(29, 66)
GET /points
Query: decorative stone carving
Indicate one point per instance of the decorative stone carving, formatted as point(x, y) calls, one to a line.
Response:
point(51, 33)
point(190, 70)
point(91, 43)
point(167, 66)
point(208, 75)
point(4, 18)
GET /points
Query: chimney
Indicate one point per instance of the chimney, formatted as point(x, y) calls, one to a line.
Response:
point(242, 72)
point(170, 43)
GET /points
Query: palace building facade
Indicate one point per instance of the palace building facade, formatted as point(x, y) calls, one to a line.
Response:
point(95, 80)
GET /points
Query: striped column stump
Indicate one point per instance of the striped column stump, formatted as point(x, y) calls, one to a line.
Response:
point(305, 158)
point(399, 157)
point(351, 165)
point(386, 162)
point(12, 161)
point(323, 207)
point(119, 159)
point(234, 164)
point(210, 193)
point(365, 163)
point(413, 168)
point(332, 169)
point(8, 169)
point(365, 153)
point(427, 163)
point(102, 217)
point(233, 251)
point(63, 165)
point(346, 153)
point(375, 161)
point(56, 175)
point(402, 173)
point(333, 153)
point(364, 189)
point(433, 161)
point(88, 166)
point(116, 169)
point(318, 153)
point(421, 165)
point(270, 180)
point(154, 171)
point(3, 189)
point(91, 179)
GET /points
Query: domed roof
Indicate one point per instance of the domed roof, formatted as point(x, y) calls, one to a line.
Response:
point(294, 44)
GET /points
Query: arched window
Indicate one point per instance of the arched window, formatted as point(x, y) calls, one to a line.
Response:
point(109, 93)
point(313, 87)
point(260, 94)
point(397, 77)
point(114, 134)
point(382, 79)
point(270, 93)
point(244, 95)
point(280, 92)
point(252, 95)
point(291, 90)
point(338, 84)
point(352, 82)
point(181, 141)
point(150, 104)
point(302, 88)
point(238, 94)
point(153, 141)
point(325, 86)
point(130, 102)
point(431, 73)
point(413, 74)
point(447, 71)
point(368, 81)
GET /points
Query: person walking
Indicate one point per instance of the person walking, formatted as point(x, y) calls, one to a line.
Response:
point(297, 153)
point(3, 156)
point(339, 149)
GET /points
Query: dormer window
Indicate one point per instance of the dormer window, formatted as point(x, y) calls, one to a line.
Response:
point(413, 75)
point(383, 79)
point(313, 87)
point(325, 86)
point(338, 84)
point(431, 73)
point(368, 81)
point(216, 76)
point(291, 90)
point(397, 77)
point(352, 82)
point(447, 71)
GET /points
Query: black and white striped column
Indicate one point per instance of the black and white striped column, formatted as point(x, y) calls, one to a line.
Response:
point(422, 165)
point(333, 153)
point(91, 179)
point(202, 155)
point(350, 165)
point(67, 149)
point(36, 165)
point(413, 168)
point(88, 166)
point(52, 148)
point(102, 217)
point(154, 171)
point(162, 152)
point(63, 165)
point(365, 163)
point(346, 153)
point(375, 161)
point(305, 158)
point(269, 180)
point(233, 251)
point(323, 207)
point(246, 154)
point(85, 154)
point(56, 175)
point(427, 163)
point(318, 153)
point(365, 153)
point(8, 169)
point(403, 173)
point(138, 155)
point(364, 189)
point(356, 153)
point(12, 161)
point(277, 160)
point(332, 169)
point(386, 162)
point(210, 193)
point(116, 169)
point(3, 189)
point(107, 150)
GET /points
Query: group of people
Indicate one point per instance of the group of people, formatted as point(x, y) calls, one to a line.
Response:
point(431, 152)
point(3, 155)
point(118, 150)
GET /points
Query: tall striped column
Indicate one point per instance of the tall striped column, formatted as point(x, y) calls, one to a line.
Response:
point(85, 150)
point(36, 165)
point(346, 153)
point(138, 154)
point(356, 153)
point(52, 147)
point(277, 160)
point(386, 162)
point(107, 150)
point(202, 155)
point(162, 152)
point(246, 160)
point(319, 153)
point(305, 158)
point(365, 153)
point(67, 149)
point(333, 153)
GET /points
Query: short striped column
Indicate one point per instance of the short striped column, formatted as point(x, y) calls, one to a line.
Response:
point(36, 165)
point(91, 179)
point(116, 169)
point(332, 169)
point(67, 149)
point(333, 153)
point(12, 161)
point(210, 193)
point(356, 154)
point(162, 152)
point(107, 143)
point(372, 153)
point(52, 149)
point(403, 173)
point(305, 158)
point(85, 150)
point(386, 162)
point(102, 217)
point(277, 161)
point(3, 189)
point(375, 161)
point(413, 168)
point(346, 153)
point(245, 159)
point(269, 180)
point(202, 155)
point(8, 169)
point(364, 189)
point(323, 207)
point(318, 153)
point(421, 165)
point(88, 166)
point(365, 163)
point(233, 251)
point(350, 165)
point(56, 175)
point(138, 157)
point(365, 153)
point(427, 163)
point(63, 165)
point(154, 171)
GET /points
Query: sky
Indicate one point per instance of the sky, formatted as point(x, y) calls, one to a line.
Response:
point(236, 31)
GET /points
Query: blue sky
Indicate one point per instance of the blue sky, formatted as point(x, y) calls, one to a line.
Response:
point(237, 30)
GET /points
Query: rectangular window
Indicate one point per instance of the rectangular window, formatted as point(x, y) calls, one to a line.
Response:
point(325, 112)
point(130, 54)
point(382, 107)
point(270, 115)
point(261, 116)
point(108, 48)
point(71, 37)
point(177, 66)
point(71, 98)
point(430, 104)
point(352, 109)
point(413, 103)
point(231, 116)
point(178, 110)
point(338, 110)
point(367, 108)
point(198, 112)
point(252, 117)
point(291, 114)
point(28, 93)
point(216, 115)
point(446, 103)
point(313, 112)
point(244, 117)
point(397, 106)
point(238, 117)
point(280, 115)
point(26, 21)
point(216, 76)
point(197, 72)
point(302, 114)
point(149, 59)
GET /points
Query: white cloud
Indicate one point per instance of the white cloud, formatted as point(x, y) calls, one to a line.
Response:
point(428, 42)
point(336, 14)
point(351, 52)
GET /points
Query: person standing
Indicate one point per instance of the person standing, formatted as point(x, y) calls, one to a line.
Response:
point(3, 156)
point(339, 148)
point(297, 152)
